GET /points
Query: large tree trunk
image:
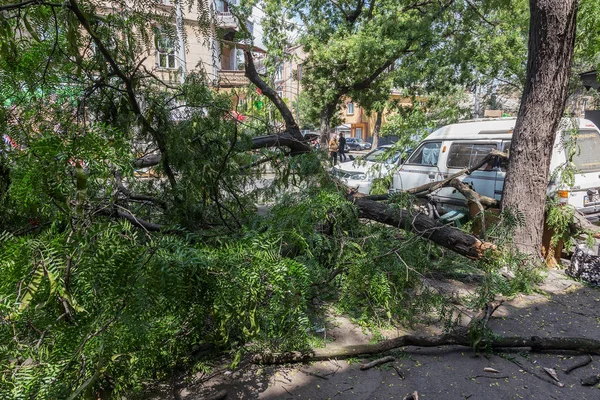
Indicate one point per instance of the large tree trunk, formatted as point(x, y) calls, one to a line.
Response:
point(551, 42)
point(325, 128)
point(376, 129)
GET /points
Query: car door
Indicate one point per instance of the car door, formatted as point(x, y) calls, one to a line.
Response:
point(421, 167)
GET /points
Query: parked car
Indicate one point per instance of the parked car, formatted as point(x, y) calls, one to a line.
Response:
point(360, 173)
point(454, 147)
point(357, 144)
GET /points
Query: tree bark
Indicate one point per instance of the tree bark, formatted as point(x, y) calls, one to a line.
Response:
point(326, 116)
point(376, 129)
point(291, 126)
point(536, 343)
point(444, 235)
point(259, 142)
point(551, 43)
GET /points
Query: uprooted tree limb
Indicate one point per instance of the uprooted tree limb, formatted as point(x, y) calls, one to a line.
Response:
point(462, 336)
point(444, 235)
point(536, 343)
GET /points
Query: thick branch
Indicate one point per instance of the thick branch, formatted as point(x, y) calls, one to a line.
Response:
point(254, 77)
point(536, 343)
point(472, 195)
point(444, 235)
point(351, 18)
point(432, 186)
point(137, 197)
point(259, 142)
point(291, 127)
point(139, 223)
point(149, 160)
point(581, 224)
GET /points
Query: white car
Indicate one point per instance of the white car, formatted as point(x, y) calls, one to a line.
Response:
point(360, 172)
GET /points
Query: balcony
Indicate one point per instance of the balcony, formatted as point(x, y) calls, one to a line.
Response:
point(230, 78)
point(226, 20)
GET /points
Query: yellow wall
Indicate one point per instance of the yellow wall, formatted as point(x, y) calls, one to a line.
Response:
point(360, 119)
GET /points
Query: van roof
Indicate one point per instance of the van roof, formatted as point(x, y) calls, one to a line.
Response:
point(487, 128)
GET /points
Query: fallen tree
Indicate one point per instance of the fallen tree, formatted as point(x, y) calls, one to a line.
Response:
point(459, 338)
point(444, 235)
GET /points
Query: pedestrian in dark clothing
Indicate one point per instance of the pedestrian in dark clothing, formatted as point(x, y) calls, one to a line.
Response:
point(342, 148)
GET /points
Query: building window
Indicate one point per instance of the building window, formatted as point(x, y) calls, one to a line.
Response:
point(357, 131)
point(278, 73)
point(165, 51)
point(350, 108)
point(222, 6)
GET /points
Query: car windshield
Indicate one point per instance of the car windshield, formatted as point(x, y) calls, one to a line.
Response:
point(383, 154)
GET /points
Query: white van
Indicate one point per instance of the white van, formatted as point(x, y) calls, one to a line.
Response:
point(455, 147)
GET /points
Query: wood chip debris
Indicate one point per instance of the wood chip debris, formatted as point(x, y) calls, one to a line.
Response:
point(552, 373)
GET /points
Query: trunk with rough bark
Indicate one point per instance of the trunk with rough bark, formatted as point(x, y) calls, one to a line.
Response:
point(376, 129)
point(551, 43)
point(444, 235)
point(325, 128)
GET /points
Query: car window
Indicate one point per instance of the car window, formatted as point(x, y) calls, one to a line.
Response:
point(466, 155)
point(379, 155)
point(588, 148)
point(505, 148)
point(426, 154)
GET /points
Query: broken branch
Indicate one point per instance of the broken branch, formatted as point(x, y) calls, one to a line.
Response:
point(536, 343)
point(444, 235)
point(377, 362)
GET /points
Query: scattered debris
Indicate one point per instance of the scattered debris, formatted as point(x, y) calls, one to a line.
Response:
point(591, 380)
point(314, 374)
point(489, 376)
point(552, 373)
point(400, 374)
point(488, 369)
point(579, 364)
point(413, 396)
point(534, 373)
point(377, 362)
point(342, 391)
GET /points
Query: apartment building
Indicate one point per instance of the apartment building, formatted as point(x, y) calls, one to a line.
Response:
point(182, 47)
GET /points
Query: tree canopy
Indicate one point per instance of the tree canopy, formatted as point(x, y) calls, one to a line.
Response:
point(150, 221)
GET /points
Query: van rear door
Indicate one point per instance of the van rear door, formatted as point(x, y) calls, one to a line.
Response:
point(585, 193)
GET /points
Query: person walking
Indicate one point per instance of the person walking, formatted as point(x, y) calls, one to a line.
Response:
point(342, 148)
point(333, 149)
